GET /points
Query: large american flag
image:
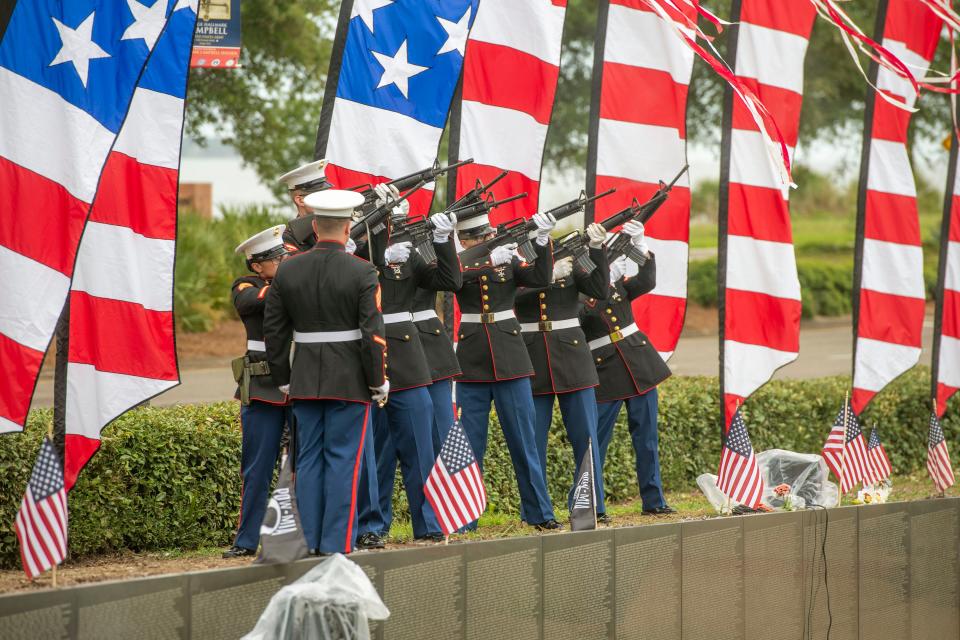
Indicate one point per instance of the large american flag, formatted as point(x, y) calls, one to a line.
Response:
point(740, 478)
point(845, 452)
point(67, 75)
point(455, 486)
point(938, 459)
point(41, 523)
point(878, 464)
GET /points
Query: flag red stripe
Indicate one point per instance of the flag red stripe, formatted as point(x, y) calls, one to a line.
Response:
point(896, 219)
point(890, 318)
point(16, 390)
point(343, 178)
point(138, 196)
point(783, 104)
point(792, 17)
point(662, 102)
point(109, 334)
point(51, 207)
point(762, 319)
point(486, 80)
point(671, 220)
point(774, 225)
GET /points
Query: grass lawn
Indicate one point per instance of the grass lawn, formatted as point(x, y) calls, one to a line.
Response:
point(816, 232)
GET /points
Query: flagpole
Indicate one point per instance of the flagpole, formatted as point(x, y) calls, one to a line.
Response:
point(843, 449)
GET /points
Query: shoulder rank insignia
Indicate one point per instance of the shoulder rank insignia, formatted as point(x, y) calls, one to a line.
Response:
point(243, 285)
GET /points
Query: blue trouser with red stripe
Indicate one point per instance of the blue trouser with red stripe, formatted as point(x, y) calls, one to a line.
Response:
point(514, 402)
point(642, 423)
point(330, 436)
point(262, 426)
point(384, 468)
point(579, 411)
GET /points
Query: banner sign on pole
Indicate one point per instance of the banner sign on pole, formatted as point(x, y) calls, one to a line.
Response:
point(217, 41)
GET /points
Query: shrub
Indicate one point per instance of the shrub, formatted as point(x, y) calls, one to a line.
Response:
point(169, 477)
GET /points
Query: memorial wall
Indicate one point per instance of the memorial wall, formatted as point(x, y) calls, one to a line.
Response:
point(887, 571)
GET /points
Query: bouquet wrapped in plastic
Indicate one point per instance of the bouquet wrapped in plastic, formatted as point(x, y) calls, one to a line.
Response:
point(332, 601)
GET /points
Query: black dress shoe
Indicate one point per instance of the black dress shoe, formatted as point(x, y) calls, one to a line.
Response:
point(431, 537)
point(238, 552)
point(370, 541)
point(316, 553)
point(548, 525)
point(603, 518)
point(659, 511)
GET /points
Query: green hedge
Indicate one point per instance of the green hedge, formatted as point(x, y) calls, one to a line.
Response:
point(169, 478)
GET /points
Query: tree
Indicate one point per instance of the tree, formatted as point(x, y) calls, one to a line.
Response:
point(268, 110)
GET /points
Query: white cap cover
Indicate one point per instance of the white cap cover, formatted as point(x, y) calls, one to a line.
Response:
point(304, 175)
point(333, 203)
point(262, 242)
point(473, 223)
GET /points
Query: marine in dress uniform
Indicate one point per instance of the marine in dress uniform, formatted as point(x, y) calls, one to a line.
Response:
point(403, 430)
point(494, 360)
point(629, 367)
point(301, 182)
point(327, 303)
point(549, 320)
point(264, 409)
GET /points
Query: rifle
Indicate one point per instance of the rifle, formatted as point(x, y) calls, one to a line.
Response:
point(518, 231)
point(620, 244)
point(419, 229)
point(404, 183)
point(575, 245)
point(376, 219)
point(475, 195)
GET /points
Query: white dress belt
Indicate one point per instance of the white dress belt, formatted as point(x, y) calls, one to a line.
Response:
point(313, 337)
point(256, 345)
point(394, 318)
point(549, 325)
point(487, 318)
point(420, 316)
point(616, 336)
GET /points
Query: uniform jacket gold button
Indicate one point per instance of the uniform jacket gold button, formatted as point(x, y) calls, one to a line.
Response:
point(486, 297)
point(616, 328)
point(483, 278)
point(609, 310)
point(485, 287)
point(486, 307)
point(576, 342)
point(598, 359)
point(543, 306)
point(406, 337)
point(543, 317)
point(613, 319)
point(542, 295)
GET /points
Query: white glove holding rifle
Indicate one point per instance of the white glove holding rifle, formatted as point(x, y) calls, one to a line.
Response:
point(596, 235)
point(503, 254)
point(397, 253)
point(562, 268)
point(634, 229)
point(389, 193)
point(545, 224)
point(443, 226)
point(618, 268)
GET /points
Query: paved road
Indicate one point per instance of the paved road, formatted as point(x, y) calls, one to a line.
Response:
point(825, 349)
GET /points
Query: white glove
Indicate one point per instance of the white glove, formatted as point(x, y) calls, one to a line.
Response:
point(502, 254)
point(443, 225)
point(596, 234)
point(618, 268)
point(402, 210)
point(385, 192)
point(562, 268)
point(397, 253)
point(379, 394)
point(634, 229)
point(350, 246)
point(284, 389)
point(545, 224)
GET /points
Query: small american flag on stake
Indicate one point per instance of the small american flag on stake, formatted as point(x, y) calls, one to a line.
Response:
point(878, 464)
point(455, 486)
point(845, 452)
point(739, 476)
point(41, 523)
point(938, 460)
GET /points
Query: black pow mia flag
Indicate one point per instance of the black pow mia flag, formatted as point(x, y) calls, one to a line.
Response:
point(583, 508)
point(281, 536)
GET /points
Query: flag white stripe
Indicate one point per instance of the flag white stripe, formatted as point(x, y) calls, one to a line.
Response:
point(440, 491)
point(25, 317)
point(771, 56)
point(466, 479)
point(55, 525)
point(441, 479)
point(469, 503)
point(451, 486)
point(34, 537)
point(481, 123)
point(531, 26)
point(42, 132)
point(433, 492)
point(43, 533)
point(153, 121)
point(28, 557)
point(115, 262)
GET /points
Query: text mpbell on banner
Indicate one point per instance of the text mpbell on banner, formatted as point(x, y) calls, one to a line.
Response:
point(217, 40)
